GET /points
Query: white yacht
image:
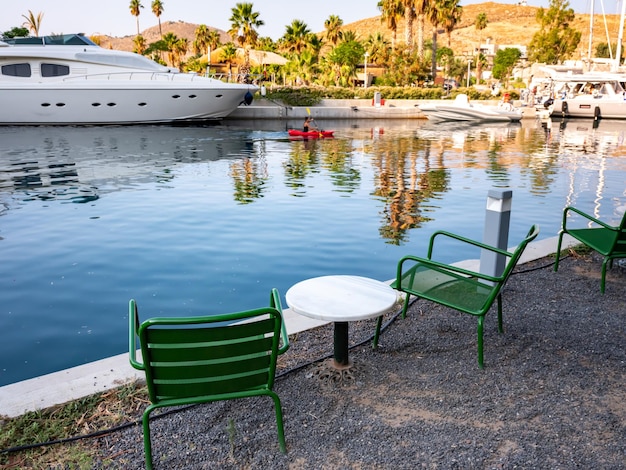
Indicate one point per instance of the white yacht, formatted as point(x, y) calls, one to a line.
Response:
point(461, 109)
point(588, 95)
point(68, 79)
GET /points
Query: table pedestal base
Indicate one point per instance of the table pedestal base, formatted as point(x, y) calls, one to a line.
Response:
point(332, 372)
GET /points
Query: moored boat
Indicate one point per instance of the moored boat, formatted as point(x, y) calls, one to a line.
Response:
point(461, 109)
point(584, 95)
point(310, 134)
point(68, 79)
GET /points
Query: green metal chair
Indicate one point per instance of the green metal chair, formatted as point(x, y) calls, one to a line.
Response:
point(607, 240)
point(202, 359)
point(455, 287)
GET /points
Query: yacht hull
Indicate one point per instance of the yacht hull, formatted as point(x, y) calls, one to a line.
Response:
point(459, 113)
point(605, 107)
point(97, 103)
point(68, 79)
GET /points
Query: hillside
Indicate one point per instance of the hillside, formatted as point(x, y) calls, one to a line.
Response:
point(507, 24)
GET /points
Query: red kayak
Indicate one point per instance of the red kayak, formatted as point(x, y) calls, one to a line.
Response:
point(310, 134)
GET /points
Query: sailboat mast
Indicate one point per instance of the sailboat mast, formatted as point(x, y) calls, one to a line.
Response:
point(620, 33)
point(591, 34)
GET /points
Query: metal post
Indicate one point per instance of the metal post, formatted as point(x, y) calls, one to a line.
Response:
point(365, 68)
point(497, 218)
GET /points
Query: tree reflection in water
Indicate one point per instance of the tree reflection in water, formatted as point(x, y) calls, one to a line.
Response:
point(249, 178)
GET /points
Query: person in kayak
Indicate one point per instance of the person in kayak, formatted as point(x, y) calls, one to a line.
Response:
point(308, 125)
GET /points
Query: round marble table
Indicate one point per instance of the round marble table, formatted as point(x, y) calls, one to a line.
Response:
point(341, 299)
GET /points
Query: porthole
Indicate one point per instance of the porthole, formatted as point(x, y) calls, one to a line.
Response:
point(45, 105)
point(143, 104)
point(96, 105)
point(175, 96)
point(60, 105)
point(192, 96)
point(218, 96)
point(110, 105)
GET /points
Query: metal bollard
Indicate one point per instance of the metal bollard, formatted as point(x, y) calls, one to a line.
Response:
point(497, 219)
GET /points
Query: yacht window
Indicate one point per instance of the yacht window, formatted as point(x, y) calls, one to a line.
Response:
point(16, 70)
point(54, 70)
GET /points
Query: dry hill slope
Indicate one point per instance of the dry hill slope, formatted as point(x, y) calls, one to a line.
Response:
point(507, 24)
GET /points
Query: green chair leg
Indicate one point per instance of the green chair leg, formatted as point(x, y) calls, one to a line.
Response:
point(405, 307)
point(147, 445)
point(379, 322)
point(481, 321)
point(500, 327)
point(279, 422)
point(603, 279)
point(558, 252)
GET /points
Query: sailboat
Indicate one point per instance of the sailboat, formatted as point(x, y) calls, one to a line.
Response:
point(594, 95)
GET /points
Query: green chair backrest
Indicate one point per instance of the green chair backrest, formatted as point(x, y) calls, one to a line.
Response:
point(209, 356)
point(620, 242)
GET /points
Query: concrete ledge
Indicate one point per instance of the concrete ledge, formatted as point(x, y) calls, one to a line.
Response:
point(344, 109)
point(70, 384)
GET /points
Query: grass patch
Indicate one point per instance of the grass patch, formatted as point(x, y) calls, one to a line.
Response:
point(80, 417)
point(577, 251)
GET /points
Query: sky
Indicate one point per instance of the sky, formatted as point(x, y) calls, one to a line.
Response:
point(113, 18)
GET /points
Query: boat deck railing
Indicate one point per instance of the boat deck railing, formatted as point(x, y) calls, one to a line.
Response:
point(161, 76)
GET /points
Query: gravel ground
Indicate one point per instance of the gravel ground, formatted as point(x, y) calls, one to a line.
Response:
point(551, 395)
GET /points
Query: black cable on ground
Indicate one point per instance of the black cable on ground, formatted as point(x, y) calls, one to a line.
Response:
point(183, 408)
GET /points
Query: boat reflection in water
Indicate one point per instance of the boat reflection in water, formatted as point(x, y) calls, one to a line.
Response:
point(197, 219)
point(79, 164)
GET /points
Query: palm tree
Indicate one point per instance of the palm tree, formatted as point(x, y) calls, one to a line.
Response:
point(302, 66)
point(33, 23)
point(243, 24)
point(378, 48)
point(214, 39)
point(453, 14)
point(157, 9)
point(333, 29)
point(480, 23)
point(348, 36)
point(391, 13)
point(435, 15)
point(170, 40)
point(421, 7)
point(201, 40)
point(140, 44)
point(296, 38)
point(135, 10)
point(229, 53)
point(409, 17)
point(180, 50)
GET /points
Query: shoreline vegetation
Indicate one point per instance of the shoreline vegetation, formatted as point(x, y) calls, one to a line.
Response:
point(478, 44)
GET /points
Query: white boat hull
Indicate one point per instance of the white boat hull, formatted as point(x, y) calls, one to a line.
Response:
point(67, 79)
point(605, 107)
point(93, 103)
point(462, 110)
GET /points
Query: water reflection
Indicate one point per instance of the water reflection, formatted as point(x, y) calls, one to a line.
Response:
point(411, 164)
point(79, 164)
point(186, 219)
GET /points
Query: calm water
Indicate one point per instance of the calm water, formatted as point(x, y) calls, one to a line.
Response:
point(194, 220)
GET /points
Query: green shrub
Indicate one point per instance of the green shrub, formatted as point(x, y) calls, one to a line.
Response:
point(310, 96)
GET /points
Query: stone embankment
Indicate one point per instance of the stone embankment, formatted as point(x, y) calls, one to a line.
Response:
point(264, 108)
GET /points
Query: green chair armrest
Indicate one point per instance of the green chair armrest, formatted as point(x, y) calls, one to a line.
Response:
point(466, 240)
point(586, 216)
point(133, 327)
point(276, 303)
